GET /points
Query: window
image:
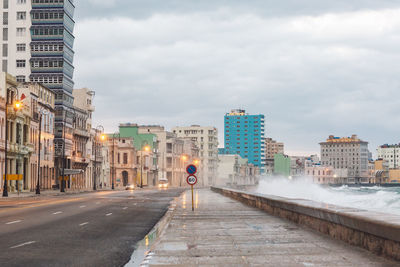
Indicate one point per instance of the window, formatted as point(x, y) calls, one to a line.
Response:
point(5, 34)
point(5, 3)
point(5, 18)
point(21, 1)
point(125, 158)
point(20, 78)
point(21, 32)
point(21, 47)
point(21, 63)
point(21, 15)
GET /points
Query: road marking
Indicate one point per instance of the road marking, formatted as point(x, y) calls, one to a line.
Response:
point(82, 224)
point(124, 208)
point(82, 206)
point(108, 214)
point(23, 244)
point(14, 222)
point(57, 212)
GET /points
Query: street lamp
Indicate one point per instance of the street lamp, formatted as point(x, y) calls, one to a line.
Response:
point(102, 138)
point(184, 158)
point(113, 158)
point(17, 106)
point(147, 149)
point(41, 112)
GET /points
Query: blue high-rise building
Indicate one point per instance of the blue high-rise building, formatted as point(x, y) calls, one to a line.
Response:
point(244, 135)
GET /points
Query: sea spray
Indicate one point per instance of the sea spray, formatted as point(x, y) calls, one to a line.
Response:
point(375, 198)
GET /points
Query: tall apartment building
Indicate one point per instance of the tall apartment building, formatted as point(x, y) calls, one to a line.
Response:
point(346, 153)
point(37, 45)
point(390, 153)
point(245, 135)
point(206, 139)
point(273, 147)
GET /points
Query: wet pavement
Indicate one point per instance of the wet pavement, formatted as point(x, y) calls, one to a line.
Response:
point(225, 232)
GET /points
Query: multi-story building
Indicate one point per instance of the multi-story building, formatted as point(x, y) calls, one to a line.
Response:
point(390, 153)
point(123, 161)
point(37, 46)
point(146, 146)
point(40, 100)
point(173, 154)
point(206, 139)
point(245, 135)
point(273, 147)
point(349, 153)
point(234, 170)
point(82, 140)
point(20, 139)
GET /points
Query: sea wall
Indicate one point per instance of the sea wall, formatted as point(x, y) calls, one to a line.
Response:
point(377, 232)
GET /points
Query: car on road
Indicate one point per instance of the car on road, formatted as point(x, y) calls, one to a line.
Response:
point(129, 187)
point(163, 183)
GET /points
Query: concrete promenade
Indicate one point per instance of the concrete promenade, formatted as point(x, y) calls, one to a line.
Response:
point(225, 232)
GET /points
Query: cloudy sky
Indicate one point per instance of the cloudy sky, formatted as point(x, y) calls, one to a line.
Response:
point(314, 68)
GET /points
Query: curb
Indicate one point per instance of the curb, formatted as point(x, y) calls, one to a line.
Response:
point(143, 249)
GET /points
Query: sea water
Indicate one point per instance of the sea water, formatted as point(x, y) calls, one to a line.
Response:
point(382, 199)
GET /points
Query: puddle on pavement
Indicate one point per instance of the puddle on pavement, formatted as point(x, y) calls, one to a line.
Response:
point(142, 254)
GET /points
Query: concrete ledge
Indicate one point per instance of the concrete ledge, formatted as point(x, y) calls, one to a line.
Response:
point(377, 232)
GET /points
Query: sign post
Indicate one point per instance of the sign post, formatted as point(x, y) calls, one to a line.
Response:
point(191, 179)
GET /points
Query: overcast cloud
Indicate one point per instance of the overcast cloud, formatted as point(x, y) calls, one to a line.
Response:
point(314, 68)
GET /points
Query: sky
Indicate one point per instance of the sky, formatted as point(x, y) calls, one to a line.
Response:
point(314, 68)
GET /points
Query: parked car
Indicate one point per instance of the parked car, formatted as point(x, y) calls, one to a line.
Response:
point(129, 187)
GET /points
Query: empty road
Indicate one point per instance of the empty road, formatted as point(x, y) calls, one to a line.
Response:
point(88, 229)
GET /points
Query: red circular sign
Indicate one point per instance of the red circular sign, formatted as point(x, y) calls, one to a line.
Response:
point(191, 180)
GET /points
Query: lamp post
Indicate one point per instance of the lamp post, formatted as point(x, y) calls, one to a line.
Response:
point(94, 146)
point(17, 106)
point(41, 112)
point(113, 159)
point(144, 148)
point(184, 158)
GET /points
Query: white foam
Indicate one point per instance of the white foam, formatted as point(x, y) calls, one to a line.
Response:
point(375, 198)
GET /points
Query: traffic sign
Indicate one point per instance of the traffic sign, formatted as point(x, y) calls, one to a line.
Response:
point(191, 169)
point(191, 180)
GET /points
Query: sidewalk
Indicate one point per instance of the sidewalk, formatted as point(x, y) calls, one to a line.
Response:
point(50, 192)
point(224, 232)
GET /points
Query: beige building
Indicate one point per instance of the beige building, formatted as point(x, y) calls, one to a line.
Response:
point(83, 135)
point(206, 139)
point(20, 138)
point(273, 147)
point(40, 100)
point(349, 153)
point(123, 161)
point(234, 170)
point(173, 154)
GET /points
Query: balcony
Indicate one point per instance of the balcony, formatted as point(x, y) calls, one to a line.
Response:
point(81, 132)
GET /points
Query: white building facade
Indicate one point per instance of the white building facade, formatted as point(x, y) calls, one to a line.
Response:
point(390, 153)
point(206, 139)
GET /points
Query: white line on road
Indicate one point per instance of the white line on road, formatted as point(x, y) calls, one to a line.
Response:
point(82, 206)
point(124, 208)
point(14, 222)
point(82, 224)
point(108, 214)
point(57, 212)
point(23, 244)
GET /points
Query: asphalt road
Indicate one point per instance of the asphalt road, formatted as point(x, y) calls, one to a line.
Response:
point(90, 229)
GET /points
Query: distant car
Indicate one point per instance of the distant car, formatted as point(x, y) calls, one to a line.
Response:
point(129, 187)
point(163, 183)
